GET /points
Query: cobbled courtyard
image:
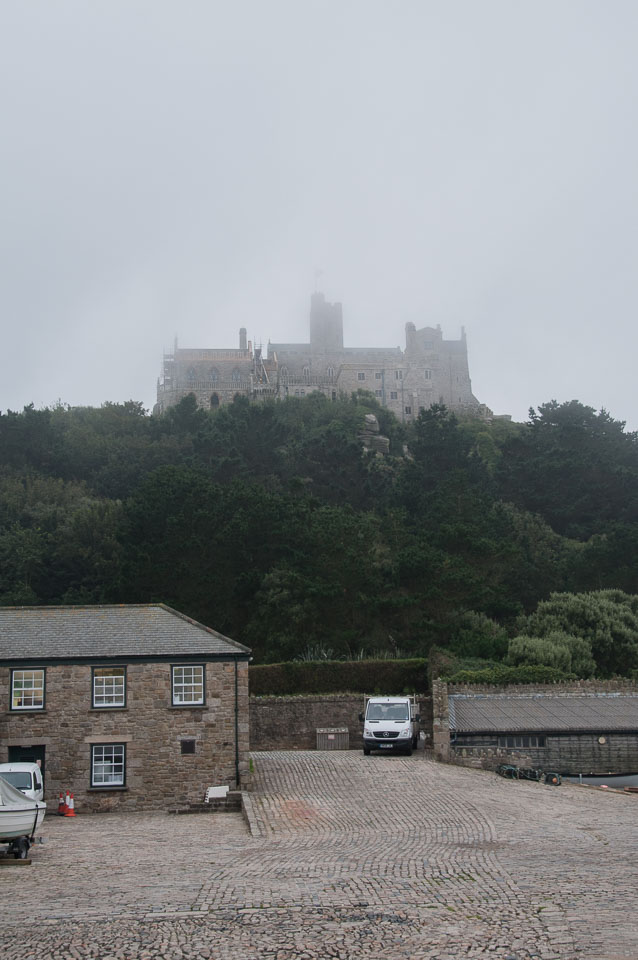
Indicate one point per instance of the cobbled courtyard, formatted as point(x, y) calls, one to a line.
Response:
point(346, 856)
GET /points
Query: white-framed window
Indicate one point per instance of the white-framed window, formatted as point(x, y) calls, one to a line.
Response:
point(108, 764)
point(428, 374)
point(109, 687)
point(27, 689)
point(532, 740)
point(361, 376)
point(188, 685)
point(393, 395)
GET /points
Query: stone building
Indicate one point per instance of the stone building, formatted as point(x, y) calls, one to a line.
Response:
point(588, 727)
point(430, 370)
point(127, 707)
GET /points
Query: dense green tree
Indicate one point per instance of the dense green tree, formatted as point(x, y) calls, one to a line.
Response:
point(575, 467)
point(606, 619)
point(557, 649)
point(271, 523)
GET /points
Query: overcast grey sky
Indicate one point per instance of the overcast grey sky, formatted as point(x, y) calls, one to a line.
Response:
point(183, 167)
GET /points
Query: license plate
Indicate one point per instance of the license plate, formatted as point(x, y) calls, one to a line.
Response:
point(385, 746)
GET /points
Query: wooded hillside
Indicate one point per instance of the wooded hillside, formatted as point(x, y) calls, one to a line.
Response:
point(270, 523)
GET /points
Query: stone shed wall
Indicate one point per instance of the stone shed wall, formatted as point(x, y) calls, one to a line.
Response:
point(568, 753)
point(158, 775)
point(290, 723)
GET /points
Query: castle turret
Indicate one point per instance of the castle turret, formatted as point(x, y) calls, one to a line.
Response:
point(242, 339)
point(326, 325)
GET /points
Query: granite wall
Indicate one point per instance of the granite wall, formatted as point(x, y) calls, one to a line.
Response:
point(290, 723)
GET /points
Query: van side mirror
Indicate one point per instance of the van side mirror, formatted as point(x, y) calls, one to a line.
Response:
point(360, 718)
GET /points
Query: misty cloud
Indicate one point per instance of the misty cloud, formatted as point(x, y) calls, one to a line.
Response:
point(184, 169)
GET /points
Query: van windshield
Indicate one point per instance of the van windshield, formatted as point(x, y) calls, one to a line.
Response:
point(387, 711)
point(20, 779)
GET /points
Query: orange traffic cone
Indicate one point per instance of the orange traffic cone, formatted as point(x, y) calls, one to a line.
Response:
point(61, 806)
point(71, 805)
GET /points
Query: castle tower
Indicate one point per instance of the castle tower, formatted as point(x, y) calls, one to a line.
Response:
point(326, 325)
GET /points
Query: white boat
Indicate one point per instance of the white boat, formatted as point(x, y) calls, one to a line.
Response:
point(20, 817)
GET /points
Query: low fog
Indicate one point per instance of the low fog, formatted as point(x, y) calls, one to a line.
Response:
point(187, 169)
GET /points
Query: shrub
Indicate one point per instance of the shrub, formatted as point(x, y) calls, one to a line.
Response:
point(503, 675)
point(476, 635)
point(539, 650)
point(338, 676)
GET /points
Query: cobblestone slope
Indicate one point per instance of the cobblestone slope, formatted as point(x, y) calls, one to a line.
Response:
point(349, 857)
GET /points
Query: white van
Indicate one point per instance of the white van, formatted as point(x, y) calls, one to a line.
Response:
point(25, 777)
point(390, 723)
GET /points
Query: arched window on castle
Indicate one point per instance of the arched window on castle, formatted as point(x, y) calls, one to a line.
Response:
point(306, 371)
point(236, 375)
point(330, 371)
point(191, 373)
point(428, 374)
point(213, 374)
point(214, 401)
point(283, 371)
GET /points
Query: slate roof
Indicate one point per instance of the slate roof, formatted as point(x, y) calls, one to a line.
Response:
point(126, 631)
point(509, 714)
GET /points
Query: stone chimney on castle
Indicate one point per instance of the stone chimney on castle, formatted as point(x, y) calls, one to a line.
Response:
point(242, 339)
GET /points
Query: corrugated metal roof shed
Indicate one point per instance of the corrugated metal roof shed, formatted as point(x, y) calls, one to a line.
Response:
point(508, 714)
point(125, 631)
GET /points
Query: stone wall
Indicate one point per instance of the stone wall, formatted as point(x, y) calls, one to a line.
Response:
point(158, 774)
point(290, 723)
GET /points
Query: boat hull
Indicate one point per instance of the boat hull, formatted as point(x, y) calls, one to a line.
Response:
point(20, 822)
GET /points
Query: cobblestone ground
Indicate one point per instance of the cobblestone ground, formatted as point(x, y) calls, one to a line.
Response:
point(349, 857)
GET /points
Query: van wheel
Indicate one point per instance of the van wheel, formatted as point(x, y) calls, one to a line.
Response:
point(408, 752)
point(366, 751)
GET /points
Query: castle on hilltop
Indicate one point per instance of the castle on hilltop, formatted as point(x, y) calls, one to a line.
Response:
point(430, 370)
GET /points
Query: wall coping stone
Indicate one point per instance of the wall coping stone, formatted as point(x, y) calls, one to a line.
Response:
point(328, 696)
point(572, 687)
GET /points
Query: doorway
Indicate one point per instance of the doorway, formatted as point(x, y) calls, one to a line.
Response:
point(28, 755)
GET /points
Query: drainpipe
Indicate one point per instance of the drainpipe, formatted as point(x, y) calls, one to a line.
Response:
point(236, 727)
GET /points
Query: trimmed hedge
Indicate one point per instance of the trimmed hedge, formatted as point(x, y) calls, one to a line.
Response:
point(503, 675)
point(338, 676)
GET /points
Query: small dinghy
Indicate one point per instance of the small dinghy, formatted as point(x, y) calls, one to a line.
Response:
point(20, 817)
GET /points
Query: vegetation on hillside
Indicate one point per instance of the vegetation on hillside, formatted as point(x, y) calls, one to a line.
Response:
point(510, 543)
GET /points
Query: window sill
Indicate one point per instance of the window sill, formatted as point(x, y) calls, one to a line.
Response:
point(187, 706)
point(116, 788)
point(18, 712)
point(106, 709)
